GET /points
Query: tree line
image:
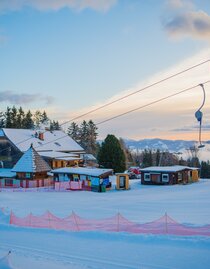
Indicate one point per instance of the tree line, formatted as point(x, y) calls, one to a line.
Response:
point(85, 135)
point(17, 118)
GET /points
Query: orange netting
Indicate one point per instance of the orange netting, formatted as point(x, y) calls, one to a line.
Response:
point(117, 223)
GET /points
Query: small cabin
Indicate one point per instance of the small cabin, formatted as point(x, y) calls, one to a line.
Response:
point(80, 178)
point(168, 175)
point(122, 181)
point(7, 178)
point(31, 171)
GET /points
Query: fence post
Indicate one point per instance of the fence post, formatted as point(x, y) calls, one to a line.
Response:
point(75, 220)
point(30, 219)
point(166, 223)
point(49, 218)
point(10, 217)
point(118, 222)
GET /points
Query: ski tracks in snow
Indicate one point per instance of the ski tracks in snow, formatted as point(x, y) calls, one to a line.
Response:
point(74, 261)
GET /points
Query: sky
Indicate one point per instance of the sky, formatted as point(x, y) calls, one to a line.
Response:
point(71, 56)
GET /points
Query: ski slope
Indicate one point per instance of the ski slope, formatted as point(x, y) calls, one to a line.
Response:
point(45, 248)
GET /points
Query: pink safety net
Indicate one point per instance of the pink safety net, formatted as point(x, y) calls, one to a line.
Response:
point(117, 223)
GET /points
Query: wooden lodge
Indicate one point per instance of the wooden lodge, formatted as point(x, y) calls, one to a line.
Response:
point(31, 171)
point(57, 148)
point(168, 175)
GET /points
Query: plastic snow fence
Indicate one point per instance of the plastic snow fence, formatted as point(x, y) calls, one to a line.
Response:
point(117, 223)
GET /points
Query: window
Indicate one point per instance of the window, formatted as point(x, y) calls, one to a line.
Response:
point(28, 175)
point(155, 178)
point(75, 177)
point(56, 178)
point(9, 182)
point(165, 177)
point(179, 176)
point(147, 177)
point(122, 182)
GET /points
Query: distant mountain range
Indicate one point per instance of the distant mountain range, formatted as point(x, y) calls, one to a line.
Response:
point(162, 144)
point(180, 146)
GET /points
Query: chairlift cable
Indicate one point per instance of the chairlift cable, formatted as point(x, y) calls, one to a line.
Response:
point(124, 97)
point(137, 91)
point(130, 111)
point(122, 114)
point(151, 103)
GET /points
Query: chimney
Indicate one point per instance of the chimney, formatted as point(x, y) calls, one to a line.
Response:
point(41, 136)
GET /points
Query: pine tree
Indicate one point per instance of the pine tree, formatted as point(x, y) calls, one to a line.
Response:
point(193, 162)
point(74, 132)
point(37, 119)
point(205, 169)
point(128, 155)
point(182, 162)
point(8, 118)
point(14, 117)
point(54, 125)
point(2, 120)
point(157, 157)
point(147, 158)
point(28, 122)
point(92, 136)
point(44, 118)
point(84, 135)
point(20, 117)
point(111, 154)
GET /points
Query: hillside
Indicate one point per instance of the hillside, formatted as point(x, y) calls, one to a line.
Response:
point(176, 146)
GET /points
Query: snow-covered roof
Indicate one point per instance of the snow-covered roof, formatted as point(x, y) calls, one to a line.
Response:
point(174, 168)
point(31, 162)
point(89, 157)
point(5, 172)
point(57, 155)
point(54, 141)
point(82, 171)
point(68, 158)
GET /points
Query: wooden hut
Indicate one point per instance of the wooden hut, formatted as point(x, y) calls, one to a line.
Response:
point(80, 178)
point(122, 181)
point(169, 175)
point(7, 178)
point(31, 170)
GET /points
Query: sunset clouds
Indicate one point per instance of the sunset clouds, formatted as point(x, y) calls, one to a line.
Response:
point(194, 24)
point(184, 19)
point(23, 98)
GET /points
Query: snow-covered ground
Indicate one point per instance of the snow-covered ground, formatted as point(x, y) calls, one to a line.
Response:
point(44, 248)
